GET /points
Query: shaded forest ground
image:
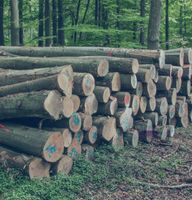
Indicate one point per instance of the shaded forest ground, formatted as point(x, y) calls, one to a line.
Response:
point(122, 175)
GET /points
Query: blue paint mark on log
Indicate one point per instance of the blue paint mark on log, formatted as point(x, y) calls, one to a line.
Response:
point(51, 149)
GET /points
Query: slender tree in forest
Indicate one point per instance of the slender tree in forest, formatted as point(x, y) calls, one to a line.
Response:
point(167, 24)
point(1, 23)
point(142, 14)
point(47, 23)
point(118, 22)
point(135, 24)
point(41, 23)
point(21, 39)
point(14, 22)
point(185, 15)
point(84, 16)
point(154, 24)
point(54, 21)
point(77, 20)
point(61, 33)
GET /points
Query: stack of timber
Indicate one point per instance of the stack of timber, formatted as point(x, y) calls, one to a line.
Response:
point(59, 102)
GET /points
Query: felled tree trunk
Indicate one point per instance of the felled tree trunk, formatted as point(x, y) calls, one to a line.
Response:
point(48, 145)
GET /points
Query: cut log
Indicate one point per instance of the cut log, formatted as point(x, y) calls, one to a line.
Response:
point(183, 121)
point(162, 121)
point(74, 150)
point(145, 129)
point(89, 105)
point(73, 123)
point(185, 88)
point(132, 137)
point(67, 137)
point(108, 108)
point(153, 116)
point(151, 68)
point(138, 91)
point(78, 137)
point(166, 70)
point(144, 75)
point(171, 130)
point(98, 68)
point(162, 106)
point(128, 82)
point(47, 83)
point(143, 56)
point(76, 102)
point(187, 72)
point(171, 95)
point(175, 57)
point(86, 121)
point(179, 108)
point(177, 72)
point(91, 135)
point(118, 141)
point(124, 119)
point(44, 104)
point(143, 104)
point(121, 65)
point(161, 133)
point(176, 83)
point(151, 104)
point(33, 167)
point(102, 94)
point(187, 56)
point(63, 166)
point(111, 80)
point(84, 84)
point(149, 89)
point(48, 145)
point(171, 111)
point(135, 104)
point(106, 126)
point(164, 83)
point(63, 77)
point(123, 99)
point(88, 151)
point(156, 79)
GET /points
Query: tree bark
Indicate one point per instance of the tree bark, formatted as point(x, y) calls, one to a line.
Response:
point(142, 14)
point(34, 167)
point(21, 36)
point(61, 33)
point(54, 21)
point(167, 24)
point(1, 22)
point(154, 24)
point(44, 104)
point(47, 23)
point(48, 145)
point(102, 94)
point(14, 22)
point(41, 23)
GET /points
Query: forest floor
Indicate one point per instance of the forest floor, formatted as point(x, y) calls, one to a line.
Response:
point(131, 173)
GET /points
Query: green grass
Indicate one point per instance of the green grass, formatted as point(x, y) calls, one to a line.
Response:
point(107, 172)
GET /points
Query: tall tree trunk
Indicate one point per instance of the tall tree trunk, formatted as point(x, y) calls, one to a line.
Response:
point(77, 20)
point(61, 34)
point(54, 21)
point(84, 16)
point(21, 22)
point(47, 23)
point(142, 14)
point(41, 23)
point(14, 22)
point(135, 24)
point(105, 24)
point(181, 18)
point(96, 11)
point(1, 23)
point(117, 22)
point(154, 24)
point(167, 24)
point(185, 15)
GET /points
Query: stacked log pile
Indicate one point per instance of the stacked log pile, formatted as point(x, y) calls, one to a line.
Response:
point(56, 103)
